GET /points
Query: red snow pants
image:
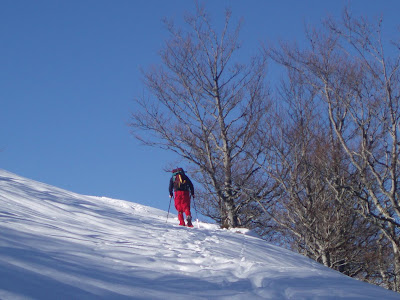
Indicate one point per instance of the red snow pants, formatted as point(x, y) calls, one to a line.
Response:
point(182, 205)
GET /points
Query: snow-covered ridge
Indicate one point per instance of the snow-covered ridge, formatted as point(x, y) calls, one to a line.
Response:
point(55, 244)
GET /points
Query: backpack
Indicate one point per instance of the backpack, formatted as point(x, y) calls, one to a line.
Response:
point(179, 180)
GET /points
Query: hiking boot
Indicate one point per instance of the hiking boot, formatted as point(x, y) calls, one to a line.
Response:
point(189, 221)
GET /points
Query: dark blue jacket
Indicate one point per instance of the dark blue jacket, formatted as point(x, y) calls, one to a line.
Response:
point(188, 186)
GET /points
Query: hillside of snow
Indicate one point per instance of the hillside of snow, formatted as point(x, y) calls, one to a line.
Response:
point(55, 244)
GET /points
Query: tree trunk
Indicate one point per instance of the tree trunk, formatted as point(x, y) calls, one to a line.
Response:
point(232, 219)
point(396, 254)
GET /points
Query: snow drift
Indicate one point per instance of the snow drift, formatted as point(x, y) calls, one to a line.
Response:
point(55, 244)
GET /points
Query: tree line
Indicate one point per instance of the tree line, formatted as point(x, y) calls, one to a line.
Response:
point(311, 163)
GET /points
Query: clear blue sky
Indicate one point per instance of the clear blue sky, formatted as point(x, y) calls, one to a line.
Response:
point(70, 69)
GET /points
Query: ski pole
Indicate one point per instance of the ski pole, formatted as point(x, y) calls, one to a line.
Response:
point(170, 199)
point(195, 210)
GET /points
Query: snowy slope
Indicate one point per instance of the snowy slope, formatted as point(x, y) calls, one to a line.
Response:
point(56, 244)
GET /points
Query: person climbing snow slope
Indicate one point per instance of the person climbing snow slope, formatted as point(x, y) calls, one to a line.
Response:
point(182, 186)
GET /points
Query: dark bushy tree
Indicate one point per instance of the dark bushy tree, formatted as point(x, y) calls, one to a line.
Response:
point(359, 86)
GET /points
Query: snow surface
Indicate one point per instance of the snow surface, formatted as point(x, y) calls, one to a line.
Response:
point(56, 244)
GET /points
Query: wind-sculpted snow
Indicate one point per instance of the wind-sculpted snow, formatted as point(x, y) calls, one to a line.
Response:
point(55, 244)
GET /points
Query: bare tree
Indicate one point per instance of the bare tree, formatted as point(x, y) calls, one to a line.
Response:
point(206, 107)
point(316, 218)
point(359, 84)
